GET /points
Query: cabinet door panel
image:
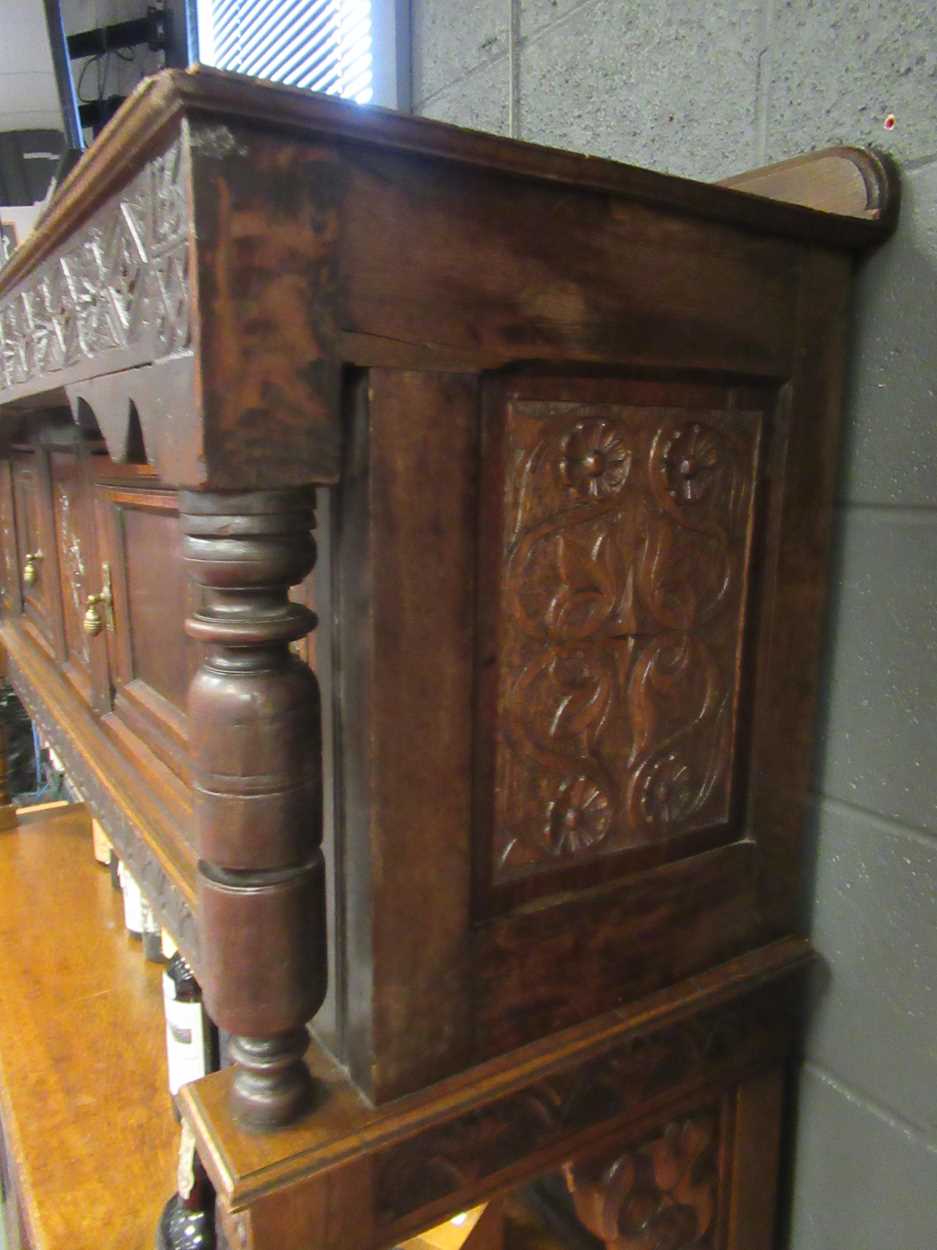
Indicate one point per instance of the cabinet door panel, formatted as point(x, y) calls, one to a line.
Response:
point(152, 660)
point(34, 537)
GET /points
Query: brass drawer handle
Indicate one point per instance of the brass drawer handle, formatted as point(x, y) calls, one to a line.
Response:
point(94, 620)
point(31, 567)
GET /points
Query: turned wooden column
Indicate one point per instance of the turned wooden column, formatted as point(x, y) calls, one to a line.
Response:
point(255, 743)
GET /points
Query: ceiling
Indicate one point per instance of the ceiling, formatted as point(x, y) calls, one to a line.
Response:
point(28, 98)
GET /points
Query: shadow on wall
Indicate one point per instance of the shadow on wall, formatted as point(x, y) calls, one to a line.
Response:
point(868, 862)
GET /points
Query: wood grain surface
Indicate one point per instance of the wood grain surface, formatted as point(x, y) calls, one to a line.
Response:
point(83, 1094)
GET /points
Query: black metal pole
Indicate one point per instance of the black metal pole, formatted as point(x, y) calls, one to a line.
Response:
point(63, 76)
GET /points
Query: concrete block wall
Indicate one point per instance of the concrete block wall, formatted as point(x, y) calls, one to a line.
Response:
point(706, 88)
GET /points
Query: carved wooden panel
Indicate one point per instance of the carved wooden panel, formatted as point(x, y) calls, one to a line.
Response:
point(659, 1195)
point(121, 282)
point(623, 562)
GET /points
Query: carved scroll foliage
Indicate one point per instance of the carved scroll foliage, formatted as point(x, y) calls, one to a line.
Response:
point(623, 572)
point(661, 1195)
point(74, 570)
point(121, 281)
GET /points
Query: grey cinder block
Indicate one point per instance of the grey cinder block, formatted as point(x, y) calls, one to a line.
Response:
point(452, 38)
point(837, 70)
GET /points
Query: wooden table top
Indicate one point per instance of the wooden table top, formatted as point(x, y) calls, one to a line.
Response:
point(83, 1094)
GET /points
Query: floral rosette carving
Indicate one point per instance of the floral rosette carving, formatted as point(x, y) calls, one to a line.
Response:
point(691, 459)
point(596, 460)
point(578, 818)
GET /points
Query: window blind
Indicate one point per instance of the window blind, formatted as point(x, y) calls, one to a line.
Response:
point(322, 45)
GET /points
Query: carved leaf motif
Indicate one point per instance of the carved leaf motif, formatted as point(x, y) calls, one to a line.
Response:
point(660, 1195)
point(624, 565)
point(74, 570)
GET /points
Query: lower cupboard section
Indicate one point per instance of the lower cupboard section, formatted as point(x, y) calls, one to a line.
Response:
point(698, 1174)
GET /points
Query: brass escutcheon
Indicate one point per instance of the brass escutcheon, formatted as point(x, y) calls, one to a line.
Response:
point(94, 620)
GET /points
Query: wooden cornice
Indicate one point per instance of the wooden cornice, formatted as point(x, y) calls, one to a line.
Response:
point(158, 104)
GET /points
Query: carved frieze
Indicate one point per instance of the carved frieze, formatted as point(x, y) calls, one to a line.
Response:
point(623, 562)
point(121, 281)
point(551, 1112)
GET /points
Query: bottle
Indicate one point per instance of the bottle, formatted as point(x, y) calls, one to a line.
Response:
point(152, 934)
point(190, 1043)
point(133, 902)
point(100, 844)
point(187, 1221)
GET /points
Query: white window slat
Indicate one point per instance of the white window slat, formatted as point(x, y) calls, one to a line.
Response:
point(310, 41)
point(291, 23)
point(322, 45)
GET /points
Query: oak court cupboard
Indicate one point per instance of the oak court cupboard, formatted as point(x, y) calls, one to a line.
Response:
point(415, 546)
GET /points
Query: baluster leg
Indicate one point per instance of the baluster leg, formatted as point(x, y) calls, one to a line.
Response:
point(256, 756)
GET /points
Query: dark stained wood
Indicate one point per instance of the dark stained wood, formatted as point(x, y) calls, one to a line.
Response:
point(616, 567)
point(254, 712)
point(80, 569)
point(545, 966)
point(572, 427)
point(38, 562)
point(10, 589)
point(151, 660)
point(81, 1020)
point(431, 1154)
point(406, 654)
point(268, 221)
point(158, 102)
point(753, 1207)
point(800, 484)
point(664, 1189)
point(549, 270)
point(203, 415)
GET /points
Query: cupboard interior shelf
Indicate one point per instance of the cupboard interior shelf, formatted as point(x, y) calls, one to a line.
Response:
point(86, 1124)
